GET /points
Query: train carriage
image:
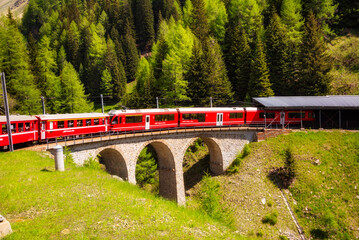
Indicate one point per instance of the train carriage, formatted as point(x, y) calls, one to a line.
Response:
point(198, 117)
point(62, 125)
point(143, 119)
point(24, 129)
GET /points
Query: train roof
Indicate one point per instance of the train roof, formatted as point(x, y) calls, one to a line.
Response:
point(71, 116)
point(16, 118)
point(154, 110)
point(213, 109)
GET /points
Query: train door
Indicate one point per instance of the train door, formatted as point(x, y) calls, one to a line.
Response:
point(219, 119)
point(43, 130)
point(147, 126)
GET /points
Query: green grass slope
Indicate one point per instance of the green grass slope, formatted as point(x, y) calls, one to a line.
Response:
point(324, 195)
point(87, 203)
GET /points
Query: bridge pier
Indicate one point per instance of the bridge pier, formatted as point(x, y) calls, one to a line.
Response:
point(120, 155)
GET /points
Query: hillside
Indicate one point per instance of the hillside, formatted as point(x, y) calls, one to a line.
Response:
point(16, 6)
point(324, 195)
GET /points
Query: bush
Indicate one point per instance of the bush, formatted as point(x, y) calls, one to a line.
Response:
point(68, 157)
point(93, 163)
point(283, 177)
point(271, 218)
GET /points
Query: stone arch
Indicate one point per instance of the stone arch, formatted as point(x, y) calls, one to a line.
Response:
point(167, 169)
point(215, 153)
point(114, 162)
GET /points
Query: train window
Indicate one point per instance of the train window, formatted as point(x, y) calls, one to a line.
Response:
point(296, 114)
point(70, 123)
point(268, 114)
point(3, 129)
point(201, 117)
point(115, 120)
point(164, 117)
point(236, 115)
point(80, 123)
point(27, 126)
point(134, 119)
point(13, 128)
point(20, 127)
point(88, 122)
point(96, 121)
point(311, 115)
point(60, 124)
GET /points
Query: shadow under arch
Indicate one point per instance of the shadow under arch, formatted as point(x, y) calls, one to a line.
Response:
point(215, 155)
point(167, 170)
point(114, 162)
point(210, 163)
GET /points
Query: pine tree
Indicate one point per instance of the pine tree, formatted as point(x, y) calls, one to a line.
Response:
point(292, 18)
point(238, 59)
point(200, 26)
point(116, 70)
point(72, 95)
point(197, 77)
point(48, 83)
point(61, 58)
point(144, 22)
point(106, 83)
point(72, 43)
point(146, 168)
point(259, 84)
point(217, 18)
point(131, 53)
point(14, 62)
point(314, 63)
point(144, 84)
point(278, 53)
point(219, 87)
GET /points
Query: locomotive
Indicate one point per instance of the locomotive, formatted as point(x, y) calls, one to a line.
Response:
point(41, 128)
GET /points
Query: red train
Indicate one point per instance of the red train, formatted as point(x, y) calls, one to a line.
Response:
point(40, 128)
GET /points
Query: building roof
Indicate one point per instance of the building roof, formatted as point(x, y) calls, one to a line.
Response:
point(310, 102)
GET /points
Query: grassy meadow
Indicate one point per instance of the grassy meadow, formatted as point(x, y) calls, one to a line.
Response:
point(88, 203)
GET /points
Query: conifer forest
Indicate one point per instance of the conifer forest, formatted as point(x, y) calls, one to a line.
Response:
point(182, 52)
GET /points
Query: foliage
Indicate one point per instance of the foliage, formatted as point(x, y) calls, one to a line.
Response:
point(217, 18)
point(259, 84)
point(283, 177)
point(147, 168)
point(314, 78)
point(14, 62)
point(291, 16)
point(92, 163)
point(271, 218)
point(73, 95)
point(211, 201)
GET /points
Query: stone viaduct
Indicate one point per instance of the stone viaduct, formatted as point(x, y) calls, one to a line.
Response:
point(120, 153)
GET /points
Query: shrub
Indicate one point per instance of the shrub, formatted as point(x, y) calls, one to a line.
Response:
point(93, 163)
point(283, 177)
point(271, 218)
point(68, 156)
point(282, 237)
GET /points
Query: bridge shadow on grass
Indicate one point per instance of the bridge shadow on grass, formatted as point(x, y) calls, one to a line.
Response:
point(196, 172)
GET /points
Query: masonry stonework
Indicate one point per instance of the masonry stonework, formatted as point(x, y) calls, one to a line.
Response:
point(120, 155)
